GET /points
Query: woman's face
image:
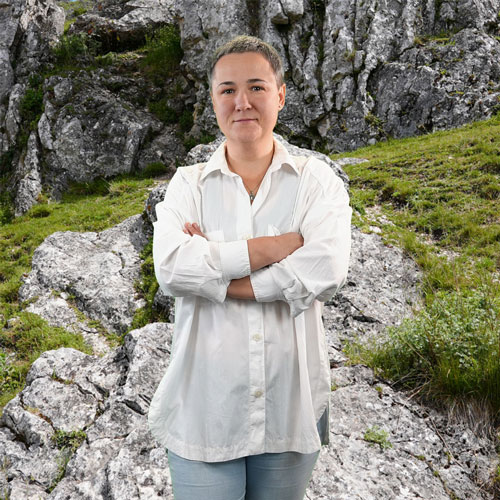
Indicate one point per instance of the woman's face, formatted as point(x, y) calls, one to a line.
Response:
point(246, 97)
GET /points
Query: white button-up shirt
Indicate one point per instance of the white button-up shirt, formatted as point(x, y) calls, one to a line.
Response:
point(248, 376)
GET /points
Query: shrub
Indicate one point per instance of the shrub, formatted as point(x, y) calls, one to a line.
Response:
point(163, 111)
point(163, 51)
point(69, 48)
point(72, 48)
point(186, 120)
point(451, 348)
point(31, 105)
point(375, 435)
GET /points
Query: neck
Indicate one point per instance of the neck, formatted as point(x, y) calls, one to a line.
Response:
point(249, 161)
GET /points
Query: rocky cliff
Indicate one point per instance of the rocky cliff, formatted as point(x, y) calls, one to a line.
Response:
point(357, 71)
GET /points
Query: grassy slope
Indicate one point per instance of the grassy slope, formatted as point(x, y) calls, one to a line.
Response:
point(438, 197)
point(442, 192)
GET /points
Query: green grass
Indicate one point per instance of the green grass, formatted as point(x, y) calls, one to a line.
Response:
point(442, 194)
point(442, 187)
point(449, 350)
point(163, 52)
point(86, 207)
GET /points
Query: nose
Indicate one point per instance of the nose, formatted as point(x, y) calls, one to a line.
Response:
point(242, 102)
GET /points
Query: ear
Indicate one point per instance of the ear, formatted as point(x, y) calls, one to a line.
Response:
point(281, 96)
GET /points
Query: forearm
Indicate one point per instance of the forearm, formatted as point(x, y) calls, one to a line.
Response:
point(267, 250)
point(241, 289)
point(262, 251)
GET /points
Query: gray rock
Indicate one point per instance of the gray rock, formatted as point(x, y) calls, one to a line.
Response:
point(30, 185)
point(12, 117)
point(100, 396)
point(125, 24)
point(89, 133)
point(381, 290)
point(423, 458)
point(97, 269)
point(26, 31)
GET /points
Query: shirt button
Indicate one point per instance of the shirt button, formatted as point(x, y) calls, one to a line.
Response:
point(257, 337)
point(258, 394)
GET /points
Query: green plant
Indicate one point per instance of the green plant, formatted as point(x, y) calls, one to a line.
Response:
point(375, 435)
point(163, 111)
point(186, 120)
point(147, 288)
point(70, 440)
point(450, 348)
point(374, 121)
point(68, 443)
point(31, 105)
point(163, 51)
point(69, 48)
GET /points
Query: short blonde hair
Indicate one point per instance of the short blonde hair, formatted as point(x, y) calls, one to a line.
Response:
point(246, 43)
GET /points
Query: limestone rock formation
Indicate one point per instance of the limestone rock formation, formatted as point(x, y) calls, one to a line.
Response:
point(97, 271)
point(359, 71)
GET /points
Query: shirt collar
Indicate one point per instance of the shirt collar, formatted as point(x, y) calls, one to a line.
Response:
point(218, 160)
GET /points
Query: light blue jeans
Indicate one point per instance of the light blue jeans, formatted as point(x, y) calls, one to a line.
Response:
point(268, 476)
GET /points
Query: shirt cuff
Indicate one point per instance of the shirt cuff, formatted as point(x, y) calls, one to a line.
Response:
point(264, 287)
point(234, 259)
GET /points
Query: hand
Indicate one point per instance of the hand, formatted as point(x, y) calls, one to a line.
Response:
point(193, 229)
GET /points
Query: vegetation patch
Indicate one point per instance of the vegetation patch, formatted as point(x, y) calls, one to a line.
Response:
point(451, 348)
point(375, 435)
point(147, 288)
point(163, 52)
point(68, 443)
point(438, 197)
point(22, 341)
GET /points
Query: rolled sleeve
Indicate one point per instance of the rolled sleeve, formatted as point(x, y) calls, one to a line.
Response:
point(264, 286)
point(186, 265)
point(234, 259)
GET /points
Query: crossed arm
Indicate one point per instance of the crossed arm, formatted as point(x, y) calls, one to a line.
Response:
point(262, 251)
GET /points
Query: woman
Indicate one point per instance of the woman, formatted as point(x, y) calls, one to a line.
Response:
point(249, 243)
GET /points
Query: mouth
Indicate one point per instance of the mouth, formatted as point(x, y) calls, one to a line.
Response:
point(245, 120)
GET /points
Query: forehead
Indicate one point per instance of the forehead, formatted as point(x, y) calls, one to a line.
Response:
point(245, 65)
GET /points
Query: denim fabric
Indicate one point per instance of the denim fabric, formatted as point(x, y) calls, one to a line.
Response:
point(268, 476)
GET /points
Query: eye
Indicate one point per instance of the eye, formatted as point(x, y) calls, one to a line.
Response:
point(227, 91)
point(257, 88)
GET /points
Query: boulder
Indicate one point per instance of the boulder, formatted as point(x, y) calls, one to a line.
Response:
point(122, 26)
point(93, 273)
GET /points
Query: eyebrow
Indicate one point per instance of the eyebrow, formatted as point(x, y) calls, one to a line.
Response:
point(251, 80)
